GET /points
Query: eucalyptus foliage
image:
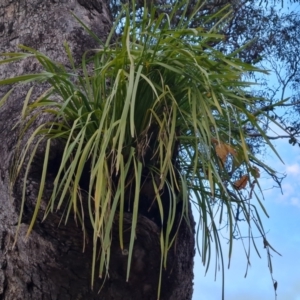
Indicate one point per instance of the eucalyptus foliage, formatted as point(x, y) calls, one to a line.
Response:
point(156, 102)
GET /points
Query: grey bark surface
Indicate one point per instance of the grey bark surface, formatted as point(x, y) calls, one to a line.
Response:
point(50, 263)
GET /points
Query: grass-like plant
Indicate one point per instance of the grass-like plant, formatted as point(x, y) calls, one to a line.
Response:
point(157, 105)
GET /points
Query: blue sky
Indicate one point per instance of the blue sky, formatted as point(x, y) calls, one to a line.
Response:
point(283, 234)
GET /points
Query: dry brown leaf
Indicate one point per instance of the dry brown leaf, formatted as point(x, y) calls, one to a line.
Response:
point(223, 150)
point(241, 183)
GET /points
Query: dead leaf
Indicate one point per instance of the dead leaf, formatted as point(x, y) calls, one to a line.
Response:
point(241, 183)
point(223, 150)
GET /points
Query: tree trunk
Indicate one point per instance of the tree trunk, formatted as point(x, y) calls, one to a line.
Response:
point(50, 263)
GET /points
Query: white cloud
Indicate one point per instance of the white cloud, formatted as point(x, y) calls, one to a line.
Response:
point(293, 169)
point(290, 195)
point(290, 189)
point(295, 201)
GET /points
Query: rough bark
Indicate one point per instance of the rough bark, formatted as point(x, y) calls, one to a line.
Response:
point(50, 263)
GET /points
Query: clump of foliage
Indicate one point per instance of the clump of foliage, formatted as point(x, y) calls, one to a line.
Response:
point(155, 106)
